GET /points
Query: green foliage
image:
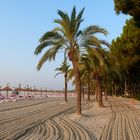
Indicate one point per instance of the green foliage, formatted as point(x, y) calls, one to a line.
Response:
point(126, 50)
point(126, 47)
point(137, 96)
point(64, 36)
point(95, 61)
point(63, 69)
point(67, 36)
point(130, 7)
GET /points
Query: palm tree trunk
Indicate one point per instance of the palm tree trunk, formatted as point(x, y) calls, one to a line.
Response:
point(98, 86)
point(77, 86)
point(66, 88)
point(115, 91)
point(106, 94)
point(89, 90)
point(96, 93)
point(125, 88)
point(83, 90)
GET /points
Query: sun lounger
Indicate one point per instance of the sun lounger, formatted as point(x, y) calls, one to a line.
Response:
point(1, 98)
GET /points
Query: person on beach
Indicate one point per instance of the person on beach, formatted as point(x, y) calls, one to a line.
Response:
point(17, 93)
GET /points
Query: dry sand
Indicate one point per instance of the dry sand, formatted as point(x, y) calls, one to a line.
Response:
point(53, 119)
point(93, 119)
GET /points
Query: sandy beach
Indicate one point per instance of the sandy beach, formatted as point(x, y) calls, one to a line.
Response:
point(54, 119)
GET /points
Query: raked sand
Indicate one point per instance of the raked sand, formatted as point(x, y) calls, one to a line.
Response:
point(53, 119)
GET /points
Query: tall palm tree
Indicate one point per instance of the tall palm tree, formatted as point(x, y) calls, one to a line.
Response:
point(67, 35)
point(96, 63)
point(86, 74)
point(64, 69)
point(83, 77)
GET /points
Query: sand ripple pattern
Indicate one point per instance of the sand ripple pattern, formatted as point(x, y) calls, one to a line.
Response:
point(41, 121)
point(86, 105)
point(124, 124)
point(58, 128)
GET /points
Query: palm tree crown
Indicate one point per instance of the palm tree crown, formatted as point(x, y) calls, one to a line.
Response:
point(63, 69)
point(68, 36)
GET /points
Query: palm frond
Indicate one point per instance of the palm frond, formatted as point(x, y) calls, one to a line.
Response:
point(91, 41)
point(93, 52)
point(79, 16)
point(86, 63)
point(58, 69)
point(73, 14)
point(57, 74)
point(49, 55)
point(64, 16)
point(64, 67)
point(48, 39)
point(106, 43)
point(64, 22)
point(41, 46)
point(78, 20)
point(79, 33)
point(70, 74)
point(51, 35)
point(93, 29)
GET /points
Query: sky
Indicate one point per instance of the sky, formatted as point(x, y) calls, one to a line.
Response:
point(23, 22)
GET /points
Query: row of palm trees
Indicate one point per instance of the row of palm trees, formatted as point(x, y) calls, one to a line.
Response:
point(90, 62)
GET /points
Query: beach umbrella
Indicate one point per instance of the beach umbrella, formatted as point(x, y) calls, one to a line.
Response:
point(1, 96)
point(27, 90)
point(19, 88)
point(31, 91)
point(38, 91)
point(45, 92)
point(35, 90)
point(41, 91)
point(7, 89)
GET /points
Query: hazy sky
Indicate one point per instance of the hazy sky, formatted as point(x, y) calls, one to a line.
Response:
point(23, 22)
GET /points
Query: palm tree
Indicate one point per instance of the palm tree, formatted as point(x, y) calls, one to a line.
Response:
point(84, 80)
point(95, 62)
point(64, 69)
point(86, 74)
point(83, 77)
point(67, 36)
